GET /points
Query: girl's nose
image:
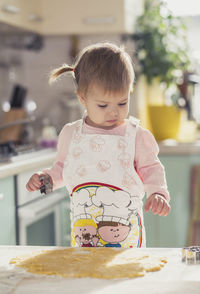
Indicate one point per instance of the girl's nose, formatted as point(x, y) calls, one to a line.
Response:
point(114, 112)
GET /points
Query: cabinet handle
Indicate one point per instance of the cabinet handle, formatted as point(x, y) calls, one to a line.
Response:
point(1, 196)
point(10, 9)
point(99, 20)
point(38, 207)
point(34, 17)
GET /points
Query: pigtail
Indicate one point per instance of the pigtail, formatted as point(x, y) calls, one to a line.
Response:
point(59, 71)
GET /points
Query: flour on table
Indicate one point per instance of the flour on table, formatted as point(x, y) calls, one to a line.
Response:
point(9, 278)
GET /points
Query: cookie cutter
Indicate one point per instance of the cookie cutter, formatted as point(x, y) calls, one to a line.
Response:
point(46, 184)
point(191, 255)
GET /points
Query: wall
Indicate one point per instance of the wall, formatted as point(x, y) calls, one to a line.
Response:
point(31, 69)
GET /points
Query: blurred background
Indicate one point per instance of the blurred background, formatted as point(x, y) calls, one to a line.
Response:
point(162, 38)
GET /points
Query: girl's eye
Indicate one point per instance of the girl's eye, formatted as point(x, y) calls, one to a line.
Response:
point(102, 106)
point(122, 104)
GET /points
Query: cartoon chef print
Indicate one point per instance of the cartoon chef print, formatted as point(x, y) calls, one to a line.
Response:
point(84, 227)
point(114, 224)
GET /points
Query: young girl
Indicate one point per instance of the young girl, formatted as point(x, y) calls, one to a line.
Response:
point(106, 161)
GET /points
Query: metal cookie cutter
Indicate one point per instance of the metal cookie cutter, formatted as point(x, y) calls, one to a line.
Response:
point(191, 255)
point(46, 184)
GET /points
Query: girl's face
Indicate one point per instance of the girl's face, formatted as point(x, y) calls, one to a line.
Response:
point(105, 110)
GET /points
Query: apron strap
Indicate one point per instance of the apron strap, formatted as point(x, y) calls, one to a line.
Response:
point(132, 121)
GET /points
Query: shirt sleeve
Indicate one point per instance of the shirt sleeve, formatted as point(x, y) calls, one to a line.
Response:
point(56, 171)
point(148, 165)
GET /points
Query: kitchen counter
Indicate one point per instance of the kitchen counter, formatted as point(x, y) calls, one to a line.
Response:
point(32, 160)
point(174, 277)
point(172, 147)
point(47, 156)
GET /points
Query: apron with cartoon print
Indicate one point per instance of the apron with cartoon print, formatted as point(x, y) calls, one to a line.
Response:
point(106, 192)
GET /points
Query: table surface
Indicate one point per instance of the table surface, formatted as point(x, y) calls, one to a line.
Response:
point(174, 277)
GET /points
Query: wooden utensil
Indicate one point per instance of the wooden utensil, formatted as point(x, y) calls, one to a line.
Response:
point(14, 132)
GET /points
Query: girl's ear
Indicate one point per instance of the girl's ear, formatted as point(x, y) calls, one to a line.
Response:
point(81, 99)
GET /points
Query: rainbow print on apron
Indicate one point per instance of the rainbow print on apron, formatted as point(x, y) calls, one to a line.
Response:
point(106, 192)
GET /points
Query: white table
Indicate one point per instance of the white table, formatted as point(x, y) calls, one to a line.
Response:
point(174, 277)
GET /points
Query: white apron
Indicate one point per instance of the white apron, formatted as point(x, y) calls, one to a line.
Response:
point(106, 192)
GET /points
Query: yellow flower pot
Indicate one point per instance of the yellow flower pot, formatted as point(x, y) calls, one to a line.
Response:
point(165, 121)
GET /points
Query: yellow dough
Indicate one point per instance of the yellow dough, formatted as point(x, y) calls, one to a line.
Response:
point(102, 263)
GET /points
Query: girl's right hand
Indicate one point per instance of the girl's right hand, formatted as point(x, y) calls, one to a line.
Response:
point(34, 183)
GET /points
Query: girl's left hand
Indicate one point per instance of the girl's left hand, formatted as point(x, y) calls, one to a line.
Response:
point(157, 204)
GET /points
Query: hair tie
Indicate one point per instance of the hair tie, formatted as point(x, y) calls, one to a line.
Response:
point(73, 69)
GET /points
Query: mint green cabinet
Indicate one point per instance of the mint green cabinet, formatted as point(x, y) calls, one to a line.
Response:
point(172, 230)
point(66, 222)
point(7, 212)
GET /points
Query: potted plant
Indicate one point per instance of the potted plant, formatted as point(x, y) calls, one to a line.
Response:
point(163, 56)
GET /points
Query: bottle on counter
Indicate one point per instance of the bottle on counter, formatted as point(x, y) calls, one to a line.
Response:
point(49, 136)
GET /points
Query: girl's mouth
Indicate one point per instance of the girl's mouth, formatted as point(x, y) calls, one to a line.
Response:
point(112, 121)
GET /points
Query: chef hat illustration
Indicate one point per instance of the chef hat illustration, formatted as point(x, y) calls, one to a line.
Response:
point(80, 201)
point(135, 204)
point(117, 205)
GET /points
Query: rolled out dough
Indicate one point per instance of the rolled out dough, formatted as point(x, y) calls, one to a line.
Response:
point(102, 263)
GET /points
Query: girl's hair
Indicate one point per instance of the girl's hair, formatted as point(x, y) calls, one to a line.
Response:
point(103, 64)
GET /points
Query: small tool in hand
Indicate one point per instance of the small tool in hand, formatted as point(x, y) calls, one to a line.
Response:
point(46, 184)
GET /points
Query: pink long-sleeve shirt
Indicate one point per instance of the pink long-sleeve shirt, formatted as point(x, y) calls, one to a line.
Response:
point(146, 162)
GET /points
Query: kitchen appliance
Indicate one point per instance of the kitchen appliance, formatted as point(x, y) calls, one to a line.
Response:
point(6, 151)
point(9, 150)
point(39, 218)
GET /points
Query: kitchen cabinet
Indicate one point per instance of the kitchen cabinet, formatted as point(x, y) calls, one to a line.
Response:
point(31, 15)
point(7, 211)
point(42, 219)
point(29, 218)
point(10, 12)
point(89, 16)
point(72, 16)
point(172, 230)
point(43, 231)
point(66, 222)
point(22, 14)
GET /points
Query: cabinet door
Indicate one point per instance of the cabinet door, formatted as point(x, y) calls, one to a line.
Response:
point(66, 222)
point(89, 16)
point(71, 16)
point(172, 230)
point(31, 15)
point(7, 212)
point(22, 13)
point(10, 12)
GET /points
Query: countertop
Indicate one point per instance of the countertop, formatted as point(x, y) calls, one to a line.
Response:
point(32, 160)
point(174, 277)
point(173, 147)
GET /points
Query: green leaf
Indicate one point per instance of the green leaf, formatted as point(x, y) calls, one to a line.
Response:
point(163, 41)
